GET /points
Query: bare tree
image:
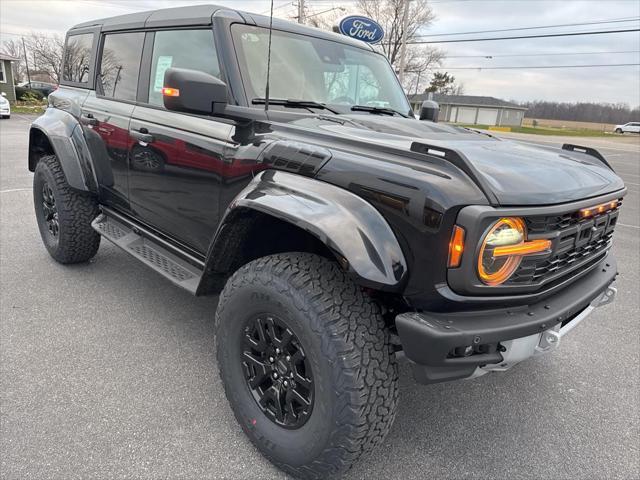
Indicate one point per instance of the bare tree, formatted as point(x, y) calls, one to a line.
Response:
point(420, 59)
point(46, 52)
point(43, 52)
point(582, 112)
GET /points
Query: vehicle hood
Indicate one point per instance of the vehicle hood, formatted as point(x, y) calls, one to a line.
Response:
point(517, 173)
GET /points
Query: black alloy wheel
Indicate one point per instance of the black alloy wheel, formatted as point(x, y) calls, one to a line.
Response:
point(277, 371)
point(49, 210)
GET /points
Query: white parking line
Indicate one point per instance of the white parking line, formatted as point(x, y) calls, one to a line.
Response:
point(629, 226)
point(16, 190)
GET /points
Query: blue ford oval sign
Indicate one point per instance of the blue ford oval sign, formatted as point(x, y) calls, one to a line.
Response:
point(361, 28)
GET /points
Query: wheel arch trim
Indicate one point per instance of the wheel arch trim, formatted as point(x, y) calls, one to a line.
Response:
point(345, 223)
point(64, 134)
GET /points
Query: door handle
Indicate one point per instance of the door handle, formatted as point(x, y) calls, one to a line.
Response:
point(88, 120)
point(142, 135)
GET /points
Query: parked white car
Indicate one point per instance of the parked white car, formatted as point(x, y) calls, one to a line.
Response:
point(5, 107)
point(631, 127)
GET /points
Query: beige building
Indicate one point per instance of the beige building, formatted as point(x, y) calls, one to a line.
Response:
point(472, 110)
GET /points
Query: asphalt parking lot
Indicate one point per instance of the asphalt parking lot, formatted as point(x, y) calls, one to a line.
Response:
point(108, 371)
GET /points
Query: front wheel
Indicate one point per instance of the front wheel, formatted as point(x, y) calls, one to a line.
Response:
point(64, 215)
point(306, 363)
point(619, 130)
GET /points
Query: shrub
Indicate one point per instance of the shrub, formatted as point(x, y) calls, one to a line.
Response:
point(28, 95)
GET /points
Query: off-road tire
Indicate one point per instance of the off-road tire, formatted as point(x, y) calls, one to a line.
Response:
point(76, 241)
point(344, 336)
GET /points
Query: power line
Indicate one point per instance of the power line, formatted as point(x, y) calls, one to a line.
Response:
point(546, 35)
point(27, 35)
point(549, 54)
point(542, 66)
point(287, 4)
point(617, 20)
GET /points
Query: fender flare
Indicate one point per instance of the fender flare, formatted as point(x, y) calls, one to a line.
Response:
point(64, 133)
point(348, 225)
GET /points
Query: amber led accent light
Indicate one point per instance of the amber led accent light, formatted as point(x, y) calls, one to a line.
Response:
point(510, 255)
point(526, 248)
point(170, 92)
point(456, 247)
point(603, 207)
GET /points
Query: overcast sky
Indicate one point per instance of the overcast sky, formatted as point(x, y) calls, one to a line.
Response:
point(602, 84)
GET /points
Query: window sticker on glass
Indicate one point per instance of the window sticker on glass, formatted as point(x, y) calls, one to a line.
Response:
point(164, 62)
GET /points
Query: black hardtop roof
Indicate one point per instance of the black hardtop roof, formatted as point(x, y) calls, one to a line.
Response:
point(197, 15)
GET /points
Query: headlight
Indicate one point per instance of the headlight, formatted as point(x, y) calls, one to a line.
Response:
point(502, 250)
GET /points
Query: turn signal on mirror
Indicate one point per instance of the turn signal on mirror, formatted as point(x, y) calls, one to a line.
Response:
point(170, 92)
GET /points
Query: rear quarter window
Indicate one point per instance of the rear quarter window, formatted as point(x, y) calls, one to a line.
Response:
point(78, 59)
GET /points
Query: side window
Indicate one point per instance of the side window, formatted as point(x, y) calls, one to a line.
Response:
point(193, 49)
point(77, 58)
point(120, 65)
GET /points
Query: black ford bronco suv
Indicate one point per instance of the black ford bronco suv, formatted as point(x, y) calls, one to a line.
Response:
point(339, 230)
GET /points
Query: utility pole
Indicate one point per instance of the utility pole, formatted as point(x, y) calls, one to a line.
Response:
point(403, 46)
point(26, 61)
point(300, 11)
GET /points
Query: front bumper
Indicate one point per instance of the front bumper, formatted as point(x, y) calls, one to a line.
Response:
point(450, 346)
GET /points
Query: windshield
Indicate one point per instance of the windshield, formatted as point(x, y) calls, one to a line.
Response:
point(315, 69)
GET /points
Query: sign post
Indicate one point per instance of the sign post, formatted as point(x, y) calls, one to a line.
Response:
point(403, 46)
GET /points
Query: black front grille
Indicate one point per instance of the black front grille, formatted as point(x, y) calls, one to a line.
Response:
point(577, 244)
point(546, 224)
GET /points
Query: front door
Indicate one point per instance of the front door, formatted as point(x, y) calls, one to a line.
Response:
point(176, 160)
point(106, 114)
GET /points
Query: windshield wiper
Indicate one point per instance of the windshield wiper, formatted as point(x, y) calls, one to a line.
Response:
point(287, 102)
point(382, 110)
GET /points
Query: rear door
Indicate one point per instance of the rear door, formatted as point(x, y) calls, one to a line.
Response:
point(176, 160)
point(107, 112)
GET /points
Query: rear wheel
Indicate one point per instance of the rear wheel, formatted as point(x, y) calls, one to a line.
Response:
point(306, 363)
point(64, 215)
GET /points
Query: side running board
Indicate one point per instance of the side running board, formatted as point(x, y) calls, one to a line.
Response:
point(148, 250)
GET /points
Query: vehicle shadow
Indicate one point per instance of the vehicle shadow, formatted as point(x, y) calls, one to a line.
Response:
point(493, 425)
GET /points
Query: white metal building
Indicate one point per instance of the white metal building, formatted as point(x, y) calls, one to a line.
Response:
point(472, 110)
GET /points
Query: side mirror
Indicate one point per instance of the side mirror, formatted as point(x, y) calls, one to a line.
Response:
point(4, 94)
point(193, 91)
point(429, 111)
